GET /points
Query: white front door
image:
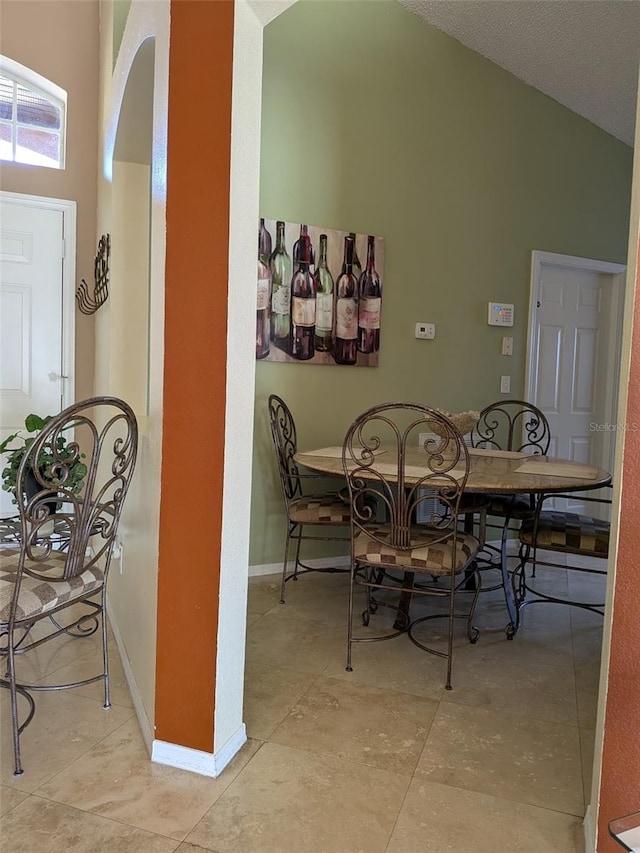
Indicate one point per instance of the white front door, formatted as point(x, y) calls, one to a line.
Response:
point(34, 342)
point(574, 355)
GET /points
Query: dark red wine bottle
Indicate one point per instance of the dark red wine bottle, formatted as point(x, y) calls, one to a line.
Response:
point(346, 309)
point(297, 249)
point(264, 243)
point(303, 306)
point(370, 300)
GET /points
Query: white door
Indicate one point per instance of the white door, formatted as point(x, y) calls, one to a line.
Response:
point(574, 356)
point(34, 340)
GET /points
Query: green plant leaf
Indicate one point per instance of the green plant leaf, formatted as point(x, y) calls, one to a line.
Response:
point(33, 423)
point(7, 441)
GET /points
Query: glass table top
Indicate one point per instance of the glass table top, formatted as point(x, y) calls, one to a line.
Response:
point(626, 831)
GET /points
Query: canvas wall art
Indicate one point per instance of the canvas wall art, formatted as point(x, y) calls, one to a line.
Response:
point(319, 295)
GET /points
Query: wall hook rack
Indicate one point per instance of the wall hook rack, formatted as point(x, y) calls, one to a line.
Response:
point(88, 302)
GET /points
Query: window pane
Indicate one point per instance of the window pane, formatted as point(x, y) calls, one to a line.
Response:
point(38, 147)
point(6, 151)
point(34, 109)
point(6, 98)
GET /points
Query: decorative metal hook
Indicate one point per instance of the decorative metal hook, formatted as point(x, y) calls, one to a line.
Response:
point(89, 303)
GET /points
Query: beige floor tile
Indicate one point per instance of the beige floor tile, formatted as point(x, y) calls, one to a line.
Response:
point(270, 693)
point(506, 678)
point(64, 727)
point(39, 826)
point(283, 639)
point(395, 664)
point(116, 779)
point(320, 597)
point(587, 629)
point(186, 847)
point(289, 800)
point(587, 749)
point(263, 593)
point(356, 722)
point(87, 667)
point(587, 689)
point(508, 756)
point(435, 818)
point(9, 798)
point(45, 660)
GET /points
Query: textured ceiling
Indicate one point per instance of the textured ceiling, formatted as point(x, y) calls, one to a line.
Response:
point(583, 53)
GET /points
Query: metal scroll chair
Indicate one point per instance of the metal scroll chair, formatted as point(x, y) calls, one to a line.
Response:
point(569, 533)
point(518, 427)
point(320, 511)
point(39, 582)
point(384, 459)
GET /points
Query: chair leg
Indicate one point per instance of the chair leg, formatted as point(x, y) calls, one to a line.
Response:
point(349, 668)
point(105, 656)
point(11, 673)
point(287, 543)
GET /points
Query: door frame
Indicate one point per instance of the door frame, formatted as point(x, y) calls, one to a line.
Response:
point(614, 336)
point(68, 210)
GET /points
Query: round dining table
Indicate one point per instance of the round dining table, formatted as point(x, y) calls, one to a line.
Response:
point(490, 472)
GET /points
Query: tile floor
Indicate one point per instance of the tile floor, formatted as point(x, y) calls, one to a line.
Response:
point(379, 759)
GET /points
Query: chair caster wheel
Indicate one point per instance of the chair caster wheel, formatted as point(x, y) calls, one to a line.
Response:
point(349, 668)
point(365, 619)
point(510, 631)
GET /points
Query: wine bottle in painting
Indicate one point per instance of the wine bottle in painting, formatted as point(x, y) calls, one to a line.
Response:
point(324, 300)
point(369, 303)
point(346, 309)
point(357, 266)
point(263, 318)
point(264, 243)
point(280, 267)
point(303, 305)
point(297, 248)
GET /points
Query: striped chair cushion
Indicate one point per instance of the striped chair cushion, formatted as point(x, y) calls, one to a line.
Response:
point(37, 596)
point(320, 509)
point(569, 532)
point(423, 556)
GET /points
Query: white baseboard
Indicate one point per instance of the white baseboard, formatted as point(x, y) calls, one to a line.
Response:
point(588, 825)
point(136, 697)
point(318, 563)
point(195, 760)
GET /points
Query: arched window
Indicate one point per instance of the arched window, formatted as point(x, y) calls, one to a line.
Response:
point(32, 117)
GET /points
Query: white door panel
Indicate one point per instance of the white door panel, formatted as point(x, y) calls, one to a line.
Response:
point(574, 341)
point(31, 315)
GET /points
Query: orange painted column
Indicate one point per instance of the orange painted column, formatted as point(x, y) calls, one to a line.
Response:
point(198, 179)
point(620, 786)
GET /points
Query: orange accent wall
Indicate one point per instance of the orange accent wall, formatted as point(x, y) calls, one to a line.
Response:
point(620, 787)
point(198, 179)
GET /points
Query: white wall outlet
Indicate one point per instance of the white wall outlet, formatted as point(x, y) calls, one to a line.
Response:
point(505, 384)
point(507, 346)
point(425, 331)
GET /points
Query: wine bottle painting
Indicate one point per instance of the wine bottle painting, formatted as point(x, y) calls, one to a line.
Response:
point(319, 295)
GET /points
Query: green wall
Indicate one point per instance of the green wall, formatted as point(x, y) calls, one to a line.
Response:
point(375, 122)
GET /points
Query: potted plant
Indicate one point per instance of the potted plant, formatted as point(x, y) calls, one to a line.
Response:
point(22, 441)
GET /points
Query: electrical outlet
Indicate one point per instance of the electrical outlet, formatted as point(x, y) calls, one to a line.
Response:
point(507, 346)
point(505, 384)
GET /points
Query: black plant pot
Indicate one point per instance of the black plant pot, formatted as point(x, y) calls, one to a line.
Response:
point(32, 487)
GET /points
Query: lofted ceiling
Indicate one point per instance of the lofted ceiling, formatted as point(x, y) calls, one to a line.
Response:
point(585, 54)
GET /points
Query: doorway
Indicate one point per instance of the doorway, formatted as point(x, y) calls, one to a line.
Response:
point(573, 355)
point(37, 272)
